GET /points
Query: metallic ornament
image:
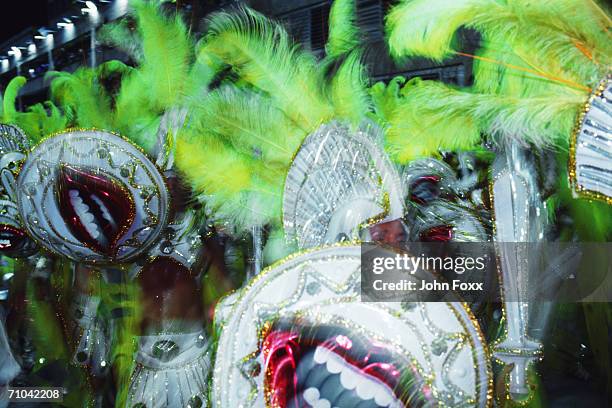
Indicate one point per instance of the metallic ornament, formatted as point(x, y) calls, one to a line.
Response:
point(14, 242)
point(436, 211)
point(14, 146)
point(520, 217)
point(180, 244)
point(429, 179)
point(590, 166)
point(165, 350)
point(92, 196)
point(92, 332)
point(171, 371)
point(331, 349)
point(339, 182)
point(446, 221)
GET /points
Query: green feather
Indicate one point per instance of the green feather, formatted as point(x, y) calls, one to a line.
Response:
point(163, 78)
point(427, 27)
point(250, 123)
point(349, 92)
point(112, 67)
point(343, 30)
point(529, 52)
point(385, 98)
point(82, 97)
point(119, 35)
point(450, 119)
point(242, 191)
point(167, 52)
point(241, 138)
point(42, 120)
point(425, 122)
point(10, 97)
point(263, 55)
point(544, 35)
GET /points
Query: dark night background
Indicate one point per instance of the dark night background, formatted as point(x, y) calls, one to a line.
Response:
point(21, 14)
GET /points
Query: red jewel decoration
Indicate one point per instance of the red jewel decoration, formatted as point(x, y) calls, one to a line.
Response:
point(98, 209)
point(441, 233)
point(11, 238)
point(432, 180)
point(282, 351)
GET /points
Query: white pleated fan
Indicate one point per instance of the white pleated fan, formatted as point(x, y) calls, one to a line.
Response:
point(339, 181)
point(591, 165)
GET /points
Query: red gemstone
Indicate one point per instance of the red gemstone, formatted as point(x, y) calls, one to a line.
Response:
point(97, 208)
point(440, 233)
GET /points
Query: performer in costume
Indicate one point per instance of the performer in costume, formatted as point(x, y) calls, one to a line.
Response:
point(13, 241)
point(240, 146)
point(298, 139)
point(541, 74)
point(32, 306)
point(110, 203)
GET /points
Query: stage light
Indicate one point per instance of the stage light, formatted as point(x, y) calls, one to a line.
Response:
point(91, 8)
point(68, 28)
point(44, 33)
point(15, 52)
point(92, 11)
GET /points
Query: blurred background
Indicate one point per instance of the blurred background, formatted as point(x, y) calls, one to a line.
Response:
point(37, 36)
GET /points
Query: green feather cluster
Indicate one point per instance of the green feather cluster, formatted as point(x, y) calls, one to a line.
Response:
point(39, 120)
point(166, 76)
point(344, 35)
point(419, 118)
point(533, 72)
point(535, 66)
point(242, 136)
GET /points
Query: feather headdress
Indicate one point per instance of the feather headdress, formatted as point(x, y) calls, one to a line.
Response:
point(537, 66)
point(243, 136)
point(39, 120)
point(165, 76)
